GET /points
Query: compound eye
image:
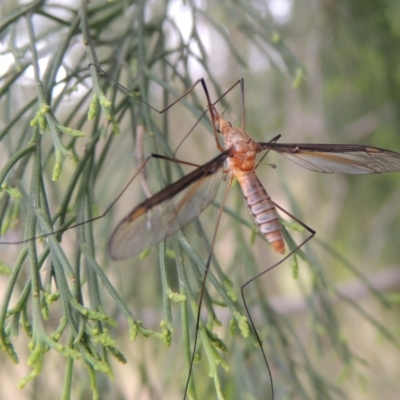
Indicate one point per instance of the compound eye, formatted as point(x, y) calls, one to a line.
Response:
point(217, 127)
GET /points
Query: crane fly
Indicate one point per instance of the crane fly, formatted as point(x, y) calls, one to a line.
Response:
point(172, 208)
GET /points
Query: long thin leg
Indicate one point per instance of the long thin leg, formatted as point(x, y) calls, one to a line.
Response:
point(273, 140)
point(242, 100)
point(312, 233)
point(203, 83)
point(141, 167)
point(203, 285)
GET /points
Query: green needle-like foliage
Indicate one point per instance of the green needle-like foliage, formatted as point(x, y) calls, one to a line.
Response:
point(71, 137)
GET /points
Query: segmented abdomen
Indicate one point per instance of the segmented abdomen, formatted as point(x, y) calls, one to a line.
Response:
point(262, 209)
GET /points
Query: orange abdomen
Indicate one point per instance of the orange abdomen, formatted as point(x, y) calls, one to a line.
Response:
point(262, 209)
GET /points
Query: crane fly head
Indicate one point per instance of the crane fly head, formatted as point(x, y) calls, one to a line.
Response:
point(220, 123)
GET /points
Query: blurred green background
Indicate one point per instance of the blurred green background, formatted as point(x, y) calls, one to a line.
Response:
point(316, 72)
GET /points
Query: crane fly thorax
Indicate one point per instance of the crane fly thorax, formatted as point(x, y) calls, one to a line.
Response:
point(244, 150)
point(241, 161)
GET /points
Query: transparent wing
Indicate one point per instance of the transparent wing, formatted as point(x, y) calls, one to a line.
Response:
point(168, 211)
point(338, 158)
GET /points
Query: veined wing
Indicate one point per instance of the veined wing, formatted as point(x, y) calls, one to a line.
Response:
point(167, 211)
point(338, 158)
